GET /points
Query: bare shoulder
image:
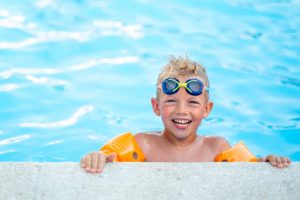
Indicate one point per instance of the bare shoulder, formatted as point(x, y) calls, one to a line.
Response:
point(146, 138)
point(217, 143)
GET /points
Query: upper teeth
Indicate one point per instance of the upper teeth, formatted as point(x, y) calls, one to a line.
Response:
point(181, 121)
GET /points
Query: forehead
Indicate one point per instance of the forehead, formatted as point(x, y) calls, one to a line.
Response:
point(185, 78)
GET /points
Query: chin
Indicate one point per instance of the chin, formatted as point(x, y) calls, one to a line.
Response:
point(181, 136)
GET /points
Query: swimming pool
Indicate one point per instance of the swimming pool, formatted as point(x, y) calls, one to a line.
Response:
point(75, 73)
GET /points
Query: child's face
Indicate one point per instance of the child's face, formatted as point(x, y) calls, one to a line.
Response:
point(181, 112)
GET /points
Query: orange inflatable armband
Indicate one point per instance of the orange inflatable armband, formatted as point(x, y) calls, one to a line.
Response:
point(126, 148)
point(238, 153)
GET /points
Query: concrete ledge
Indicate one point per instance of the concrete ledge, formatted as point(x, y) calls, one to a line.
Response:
point(149, 181)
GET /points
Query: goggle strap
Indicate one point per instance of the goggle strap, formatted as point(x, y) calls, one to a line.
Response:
point(175, 89)
point(185, 86)
point(191, 81)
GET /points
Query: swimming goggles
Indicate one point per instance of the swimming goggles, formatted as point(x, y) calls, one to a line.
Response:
point(193, 86)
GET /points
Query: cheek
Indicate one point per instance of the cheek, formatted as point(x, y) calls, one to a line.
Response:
point(166, 111)
point(199, 113)
point(197, 119)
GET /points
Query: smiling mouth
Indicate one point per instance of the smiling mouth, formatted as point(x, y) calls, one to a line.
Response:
point(181, 123)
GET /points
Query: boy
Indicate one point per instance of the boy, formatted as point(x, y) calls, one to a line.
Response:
point(182, 101)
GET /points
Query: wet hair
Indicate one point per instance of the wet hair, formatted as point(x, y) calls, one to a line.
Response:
point(182, 66)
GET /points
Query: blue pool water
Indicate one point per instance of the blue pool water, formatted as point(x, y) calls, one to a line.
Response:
point(75, 73)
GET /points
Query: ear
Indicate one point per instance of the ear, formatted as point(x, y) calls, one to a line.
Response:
point(155, 106)
point(208, 108)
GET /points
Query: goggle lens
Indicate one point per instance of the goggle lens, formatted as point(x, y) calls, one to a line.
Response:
point(195, 86)
point(169, 86)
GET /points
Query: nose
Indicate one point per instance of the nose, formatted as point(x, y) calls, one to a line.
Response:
point(181, 108)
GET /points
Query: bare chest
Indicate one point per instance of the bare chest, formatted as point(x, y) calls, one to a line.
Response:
point(197, 153)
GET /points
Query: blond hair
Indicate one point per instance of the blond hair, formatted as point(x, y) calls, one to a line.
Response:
point(182, 66)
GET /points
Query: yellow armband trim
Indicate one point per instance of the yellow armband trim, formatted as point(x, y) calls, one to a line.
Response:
point(126, 148)
point(238, 153)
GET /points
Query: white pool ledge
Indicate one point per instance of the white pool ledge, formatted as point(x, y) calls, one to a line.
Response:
point(149, 181)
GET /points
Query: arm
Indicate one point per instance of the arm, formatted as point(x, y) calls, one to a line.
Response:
point(237, 153)
point(222, 145)
point(122, 148)
point(143, 143)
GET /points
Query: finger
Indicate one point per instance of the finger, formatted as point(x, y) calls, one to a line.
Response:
point(102, 160)
point(88, 162)
point(99, 163)
point(82, 162)
point(285, 161)
point(271, 159)
point(94, 161)
point(278, 162)
point(111, 157)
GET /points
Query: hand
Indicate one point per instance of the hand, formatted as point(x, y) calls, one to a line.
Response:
point(94, 162)
point(277, 161)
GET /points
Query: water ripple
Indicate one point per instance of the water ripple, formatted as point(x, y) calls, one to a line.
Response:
point(45, 80)
point(28, 72)
point(10, 87)
point(63, 123)
point(94, 29)
point(278, 126)
point(214, 120)
point(297, 119)
point(54, 142)
point(14, 139)
point(7, 151)
point(291, 81)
